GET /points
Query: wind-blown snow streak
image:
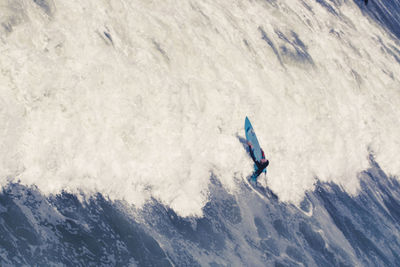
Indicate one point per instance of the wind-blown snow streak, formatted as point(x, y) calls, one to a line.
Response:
point(140, 99)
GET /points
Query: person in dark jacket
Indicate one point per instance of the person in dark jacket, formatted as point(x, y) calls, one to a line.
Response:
point(261, 165)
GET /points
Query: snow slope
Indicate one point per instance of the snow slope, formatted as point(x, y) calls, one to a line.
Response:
point(142, 103)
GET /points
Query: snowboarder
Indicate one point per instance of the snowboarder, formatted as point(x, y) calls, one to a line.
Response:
point(261, 165)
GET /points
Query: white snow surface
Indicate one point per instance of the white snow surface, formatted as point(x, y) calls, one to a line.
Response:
point(139, 99)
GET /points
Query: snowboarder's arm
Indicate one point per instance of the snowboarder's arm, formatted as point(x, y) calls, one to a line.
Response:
point(252, 154)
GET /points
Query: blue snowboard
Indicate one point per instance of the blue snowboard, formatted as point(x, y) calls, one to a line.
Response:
point(251, 137)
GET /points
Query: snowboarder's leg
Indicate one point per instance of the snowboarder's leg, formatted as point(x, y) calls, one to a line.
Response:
point(253, 179)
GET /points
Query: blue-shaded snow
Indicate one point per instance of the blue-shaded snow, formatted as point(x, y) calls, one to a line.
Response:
point(240, 229)
point(386, 13)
